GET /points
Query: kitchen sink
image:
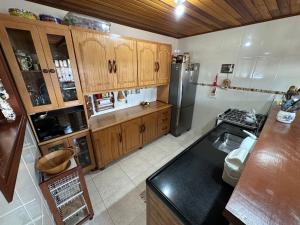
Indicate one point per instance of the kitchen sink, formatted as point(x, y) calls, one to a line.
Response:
point(227, 142)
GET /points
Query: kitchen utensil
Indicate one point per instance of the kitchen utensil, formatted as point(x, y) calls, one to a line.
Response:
point(36, 67)
point(121, 96)
point(285, 117)
point(55, 162)
point(24, 60)
point(145, 103)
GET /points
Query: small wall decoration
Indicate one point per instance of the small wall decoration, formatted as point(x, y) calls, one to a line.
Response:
point(227, 68)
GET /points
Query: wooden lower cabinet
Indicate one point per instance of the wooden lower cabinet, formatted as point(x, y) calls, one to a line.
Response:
point(149, 127)
point(157, 211)
point(113, 142)
point(132, 135)
point(82, 145)
point(108, 145)
point(163, 121)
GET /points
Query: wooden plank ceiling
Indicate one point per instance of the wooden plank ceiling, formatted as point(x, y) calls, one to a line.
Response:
point(201, 16)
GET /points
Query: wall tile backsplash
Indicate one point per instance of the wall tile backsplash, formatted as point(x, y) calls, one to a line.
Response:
point(266, 56)
point(28, 205)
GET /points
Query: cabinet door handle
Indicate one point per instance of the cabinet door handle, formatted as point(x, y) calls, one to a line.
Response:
point(120, 137)
point(45, 71)
point(141, 129)
point(155, 66)
point(144, 128)
point(52, 70)
point(109, 66)
point(114, 66)
point(158, 66)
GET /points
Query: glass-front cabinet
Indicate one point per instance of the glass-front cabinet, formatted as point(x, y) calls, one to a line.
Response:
point(82, 145)
point(43, 63)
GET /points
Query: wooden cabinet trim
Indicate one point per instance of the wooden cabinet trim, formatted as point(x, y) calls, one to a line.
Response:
point(43, 31)
point(12, 61)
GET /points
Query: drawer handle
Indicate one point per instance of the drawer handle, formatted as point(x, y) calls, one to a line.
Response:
point(164, 128)
point(166, 119)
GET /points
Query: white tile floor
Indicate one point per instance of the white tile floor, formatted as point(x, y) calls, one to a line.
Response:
point(115, 191)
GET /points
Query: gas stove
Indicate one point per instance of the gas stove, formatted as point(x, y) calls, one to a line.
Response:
point(241, 118)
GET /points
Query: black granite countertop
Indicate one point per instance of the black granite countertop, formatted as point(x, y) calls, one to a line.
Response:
point(191, 184)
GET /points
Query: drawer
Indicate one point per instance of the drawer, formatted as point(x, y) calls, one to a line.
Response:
point(163, 121)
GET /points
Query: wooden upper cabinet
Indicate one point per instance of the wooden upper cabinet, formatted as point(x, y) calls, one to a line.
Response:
point(132, 135)
point(147, 63)
point(58, 47)
point(94, 58)
point(164, 64)
point(24, 52)
point(149, 127)
point(125, 63)
point(107, 145)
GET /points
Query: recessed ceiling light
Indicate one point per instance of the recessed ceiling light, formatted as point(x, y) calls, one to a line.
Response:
point(247, 44)
point(179, 2)
point(179, 10)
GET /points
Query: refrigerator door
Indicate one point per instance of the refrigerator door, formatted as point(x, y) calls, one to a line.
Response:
point(175, 90)
point(182, 96)
point(189, 78)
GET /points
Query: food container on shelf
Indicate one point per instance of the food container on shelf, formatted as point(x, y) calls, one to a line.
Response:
point(22, 13)
point(49, 18)
point(76, 19)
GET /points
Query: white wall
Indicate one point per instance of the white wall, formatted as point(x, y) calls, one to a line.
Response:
point(115, 28)
point(28, 205)
point(266, 56)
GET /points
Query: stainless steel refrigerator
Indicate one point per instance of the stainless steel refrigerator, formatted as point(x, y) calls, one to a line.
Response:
point(182, 96)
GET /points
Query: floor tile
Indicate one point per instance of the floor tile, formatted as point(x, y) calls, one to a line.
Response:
point(152, 153)
point(111, 180)
point(140, 219)
point(102, 218)
point(134, 165)
point(127, 209)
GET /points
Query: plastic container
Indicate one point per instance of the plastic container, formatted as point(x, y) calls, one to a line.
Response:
point(87, 22)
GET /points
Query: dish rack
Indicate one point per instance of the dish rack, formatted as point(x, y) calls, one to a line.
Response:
point(67, 196)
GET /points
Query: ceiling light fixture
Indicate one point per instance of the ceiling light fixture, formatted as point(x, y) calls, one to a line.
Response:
point(179, 2)
point(179, 9)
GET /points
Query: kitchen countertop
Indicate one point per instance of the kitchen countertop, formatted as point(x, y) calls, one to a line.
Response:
point(191, 184)
point(268, 191)
point(109, 119)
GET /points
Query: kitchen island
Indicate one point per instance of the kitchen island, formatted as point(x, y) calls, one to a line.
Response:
point(189, 189)
point(268, 191)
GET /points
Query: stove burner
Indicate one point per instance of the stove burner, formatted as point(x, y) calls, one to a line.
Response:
point(239, 117)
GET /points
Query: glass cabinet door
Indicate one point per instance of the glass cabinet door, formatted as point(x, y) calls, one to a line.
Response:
point(60, 57)
point(83, 149)
point(29, 67)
